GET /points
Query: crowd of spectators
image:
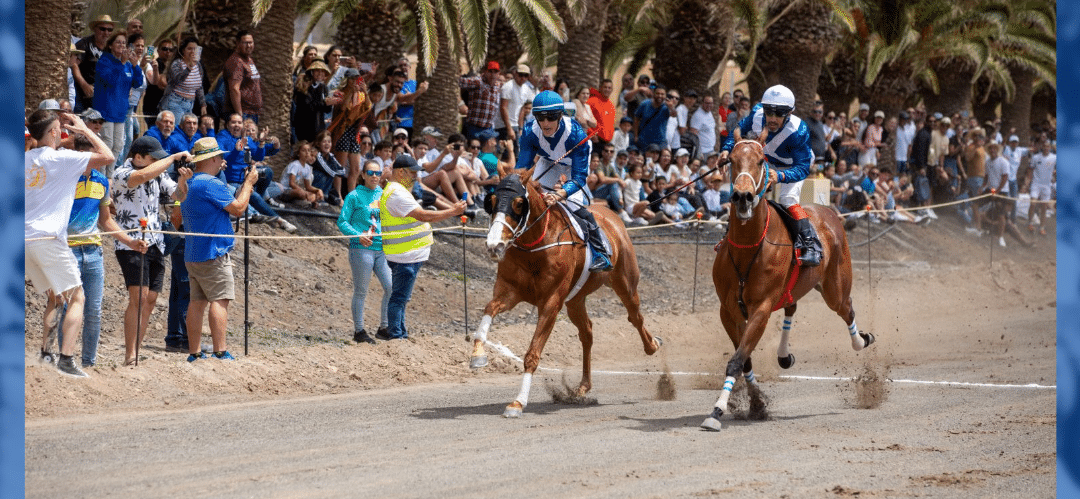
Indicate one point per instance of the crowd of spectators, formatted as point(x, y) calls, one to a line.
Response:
point(654, 159)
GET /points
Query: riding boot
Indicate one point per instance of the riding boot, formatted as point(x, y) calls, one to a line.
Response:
point(807, 244)
point(601, 259)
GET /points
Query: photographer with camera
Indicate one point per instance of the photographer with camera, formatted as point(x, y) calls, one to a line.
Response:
point(136, 190)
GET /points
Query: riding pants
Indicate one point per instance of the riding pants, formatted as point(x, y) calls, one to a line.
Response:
point(592, 231)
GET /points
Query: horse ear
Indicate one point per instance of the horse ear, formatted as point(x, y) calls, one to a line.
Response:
point(504, 169)
point(761, 138)
point(529, 173)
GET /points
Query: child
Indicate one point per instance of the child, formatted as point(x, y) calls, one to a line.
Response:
point(637, 207)
point(299, 176)
point(621, 138)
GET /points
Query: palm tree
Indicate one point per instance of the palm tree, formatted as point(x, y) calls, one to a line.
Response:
point(371, 33)
point(46, 71)
point(688, 48)
point(579, 55)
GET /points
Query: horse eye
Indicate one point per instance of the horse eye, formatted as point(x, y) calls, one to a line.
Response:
point(518, 204)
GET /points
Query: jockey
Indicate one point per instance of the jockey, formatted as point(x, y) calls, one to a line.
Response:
point(555, 137)
point(787, 149)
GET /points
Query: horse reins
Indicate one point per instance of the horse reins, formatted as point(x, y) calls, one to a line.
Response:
point(699, 177)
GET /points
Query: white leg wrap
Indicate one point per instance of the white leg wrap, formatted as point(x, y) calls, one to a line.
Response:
point(482, 330)
point(523, 395)
point(749, 377)
point(721, 402)
point(785, 331)
point(856, 340)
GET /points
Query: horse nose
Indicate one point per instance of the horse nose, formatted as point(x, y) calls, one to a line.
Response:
point(497, 251)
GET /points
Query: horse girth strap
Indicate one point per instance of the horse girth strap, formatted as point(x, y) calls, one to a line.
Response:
point(743, 277)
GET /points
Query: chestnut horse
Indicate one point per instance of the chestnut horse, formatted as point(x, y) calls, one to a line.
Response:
point(755, 273)
point(542, 262)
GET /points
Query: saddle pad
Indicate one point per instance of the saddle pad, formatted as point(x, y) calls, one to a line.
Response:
point(588, 254)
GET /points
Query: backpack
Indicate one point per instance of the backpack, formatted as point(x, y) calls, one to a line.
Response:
point(215, 99)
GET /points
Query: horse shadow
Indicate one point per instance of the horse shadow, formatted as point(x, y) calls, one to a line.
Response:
point(535, 408)
point(655, 425)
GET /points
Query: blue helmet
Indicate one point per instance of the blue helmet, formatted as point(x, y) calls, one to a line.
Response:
point(547, 101)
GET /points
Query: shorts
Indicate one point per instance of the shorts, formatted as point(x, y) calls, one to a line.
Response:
point(347, 142)
point(153, 272)
point(50, 265)
point(211, 280)
point(1041, 192)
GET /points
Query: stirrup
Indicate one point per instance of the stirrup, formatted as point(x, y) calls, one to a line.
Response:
point(601, 263)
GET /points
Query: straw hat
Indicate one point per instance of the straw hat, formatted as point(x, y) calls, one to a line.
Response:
point(102, 19)
point(318, 65)
point(205, 148)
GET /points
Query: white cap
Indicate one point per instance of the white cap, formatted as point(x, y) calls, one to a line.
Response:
point(1013, 138)
point(682, 152)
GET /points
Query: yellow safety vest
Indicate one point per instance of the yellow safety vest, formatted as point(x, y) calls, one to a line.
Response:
point(401, 234)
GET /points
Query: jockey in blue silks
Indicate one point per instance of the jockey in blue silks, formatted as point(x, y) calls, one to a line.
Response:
point(787, 149)
point(550, 134)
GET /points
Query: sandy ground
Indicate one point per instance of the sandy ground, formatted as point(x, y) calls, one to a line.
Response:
point(940, 311)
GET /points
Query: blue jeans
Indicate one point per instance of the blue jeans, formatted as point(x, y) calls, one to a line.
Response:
point(363, 261)
point(610, 193)
point(92, 272)
point(471, 130)
point(131, 129)
point(404, 276)
point(179, 298)
point(178, 105)
point(257, 201)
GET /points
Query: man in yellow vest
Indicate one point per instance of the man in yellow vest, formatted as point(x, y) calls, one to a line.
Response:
point(406, 239)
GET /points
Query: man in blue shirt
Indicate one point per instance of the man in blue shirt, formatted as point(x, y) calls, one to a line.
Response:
point(555, 137)
point(206, 210)
point(787, 149)
point(650, 120)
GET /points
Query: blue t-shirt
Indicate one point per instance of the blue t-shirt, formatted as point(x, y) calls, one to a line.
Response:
point(204, 213)
point(234, 160)
point(405, 111)
point(179, 142)
point(89, 193)
point(652, 127)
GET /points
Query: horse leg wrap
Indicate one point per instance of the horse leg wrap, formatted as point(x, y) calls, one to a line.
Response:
point(782, 353)
point(749, 377)
point(482, 330)
point(857, 339)
point(725, 394)
point(523, 395)
point(479, 357)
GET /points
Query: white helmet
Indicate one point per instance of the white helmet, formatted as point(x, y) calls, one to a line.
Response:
point(780, 99)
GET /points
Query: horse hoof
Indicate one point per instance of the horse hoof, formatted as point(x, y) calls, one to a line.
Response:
point(478, 362)
point(512, 411)
point(659, 341)
point(868, 339)
point(710, 424)
point(786, 362)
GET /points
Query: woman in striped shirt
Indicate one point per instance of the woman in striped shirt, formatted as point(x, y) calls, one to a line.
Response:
point(184, 92)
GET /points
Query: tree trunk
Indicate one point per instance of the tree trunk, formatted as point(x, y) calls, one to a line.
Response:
point(215, 23)
point(794, 51)
point(273, 56)
point(47, 56)
point(689, 50)
point(438, 106)
point(579, 57)
point(78, 12)
point(890, 91)
point(839, 81)
point(1017, 113)
point(371, 33)
point(1043, 105)
point(503, 43)
point(954, 79)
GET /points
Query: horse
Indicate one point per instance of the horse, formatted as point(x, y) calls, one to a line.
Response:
point(755, 273)
point(542, 263)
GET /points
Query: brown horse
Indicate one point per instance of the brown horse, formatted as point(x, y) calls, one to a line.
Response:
point(755, 273)
point(543, 263)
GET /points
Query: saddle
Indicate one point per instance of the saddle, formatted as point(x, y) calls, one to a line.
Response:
point(789, 221)
point(791, 224)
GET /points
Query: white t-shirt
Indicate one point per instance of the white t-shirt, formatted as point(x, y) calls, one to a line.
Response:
point(631, 192)
point(904, 136)
point(517, 96)
point(50, 177)
point(705, 124)
point(995, 168)
point(400, 203)
point(301, 171)
point(1043, 166)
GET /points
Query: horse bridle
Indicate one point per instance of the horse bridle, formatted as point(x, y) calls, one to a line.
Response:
point(513, 184)
point(762, 183)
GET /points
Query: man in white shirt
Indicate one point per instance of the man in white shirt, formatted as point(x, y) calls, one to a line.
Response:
point(905, 135)
point(50, 176)
point(516, 93)
point(1043, 167)
point(1014, 153)
point(703, 124)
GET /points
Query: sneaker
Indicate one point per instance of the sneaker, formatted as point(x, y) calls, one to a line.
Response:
point(625, 218)
point(1001, 241)
point(193, 356)
point(275, 203)
point(47, 358)
point(285, 225)
point(261, 219)
point(361, 336)
point(973, 231)
point(930, 213)
point(382, 334)
point(66, 365)
point(223, 355)
point(639, 222)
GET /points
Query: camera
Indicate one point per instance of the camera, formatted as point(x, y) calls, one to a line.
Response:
point(457, 147)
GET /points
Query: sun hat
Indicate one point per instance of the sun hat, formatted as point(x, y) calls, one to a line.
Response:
point(523, 69)
point(401, 131)
point(205, 148)
point(318, 65)
point(102, 19)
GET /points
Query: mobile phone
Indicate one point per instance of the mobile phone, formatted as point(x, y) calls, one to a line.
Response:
point(465, 196)
point(151, 51)
point(365, 66)
point(198, 52)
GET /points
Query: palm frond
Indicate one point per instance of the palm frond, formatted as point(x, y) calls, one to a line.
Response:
point(447, 19)
point(545, 15)
point(578, 9)
point(136, 8)
point(316, 10)
point(643, 35)
point(259, 8)
point(429, 36)
point(474, 25)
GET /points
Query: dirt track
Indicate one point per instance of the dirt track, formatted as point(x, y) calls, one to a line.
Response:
point(332, 419)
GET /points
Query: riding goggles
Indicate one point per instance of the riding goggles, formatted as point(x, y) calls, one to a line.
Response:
point(548, 115)
point(775, 110)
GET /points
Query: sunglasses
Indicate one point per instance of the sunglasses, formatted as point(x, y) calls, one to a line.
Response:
point(104, 30)
point(474, 147)
point(773, 110)
point(548, 115)
point(365, 142)
point(817, 111)
point(166, 49)
point(523, 75)
point(371, 173)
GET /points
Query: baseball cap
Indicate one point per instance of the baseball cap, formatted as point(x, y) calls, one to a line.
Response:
point(682, 152)
point(148, 145)
point(401, 131)
point(945, 120)
point(49, 104)
point(690, 93)
point(91, 114)
point(351, 73)
point(204, 148)
point(406, 161)
point(626, 119)
point(432, 131)
point(492, 65)
point(904, 115)
point(652, 148)
point(523, 69)
point(879, 114)
point(1013, 138)
point(864, 107)
point(632, 148)
point(937, 116)
point(487, 134)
